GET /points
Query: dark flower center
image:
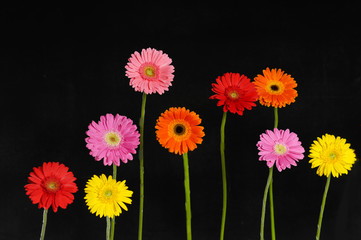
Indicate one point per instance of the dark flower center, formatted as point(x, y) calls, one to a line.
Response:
point(179, 129)
point(274, 88)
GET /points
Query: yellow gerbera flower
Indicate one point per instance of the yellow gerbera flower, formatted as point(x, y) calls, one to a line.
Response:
point(331, 155)
point(106, 197)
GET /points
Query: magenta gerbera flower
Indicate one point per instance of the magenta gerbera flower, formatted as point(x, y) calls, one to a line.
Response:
point(112, 139)
point(150, 71)
point(281, 147)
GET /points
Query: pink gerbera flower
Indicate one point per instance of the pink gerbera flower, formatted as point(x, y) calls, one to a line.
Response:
point(112, 139)
point(150, 71)
point(281, 147)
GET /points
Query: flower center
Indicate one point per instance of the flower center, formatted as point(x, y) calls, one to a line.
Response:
point(275, 88)
point(108, 193)
point(52, 185)
point(179, 129)
point(280, 148)
point(233, 95)
point(333, 155)
point(149, 71)
point(112, 139)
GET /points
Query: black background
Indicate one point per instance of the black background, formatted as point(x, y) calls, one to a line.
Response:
point(63, 67)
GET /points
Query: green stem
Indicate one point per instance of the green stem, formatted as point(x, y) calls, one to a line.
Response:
point(43, 228)
point(322, 207)
point(265, 194)
point(113, 218)
point(224, 176)
point(141, 161)
point(108, 228)
point(269, 190)
point(188, 196)
point(276, 117)
point(272, 215)
point(114, 172)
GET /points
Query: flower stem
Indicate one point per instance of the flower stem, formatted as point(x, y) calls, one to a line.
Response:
point(272, 215)
point(113, 218)
point(141, 161)
point(114, 172)
point(269, 190)
point(224, 176)
point(273, 231)
point(323, 207)
point(265, 194)
point(108, 228)
point(276, 117)
point(43, 228)
point(188, 196)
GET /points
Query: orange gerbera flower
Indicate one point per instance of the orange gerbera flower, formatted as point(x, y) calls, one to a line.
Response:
point(275, 88)
point(178, 130)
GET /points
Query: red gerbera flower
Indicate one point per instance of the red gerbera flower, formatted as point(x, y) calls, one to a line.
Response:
point(51, 185)
point(234, 92)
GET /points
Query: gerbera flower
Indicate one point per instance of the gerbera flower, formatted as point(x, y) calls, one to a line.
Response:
point(275, 88)
point(51, 185)
point(234, 92)
point(112, 139)
point(178, 130)
point(281, 147)
point(150, 71)
point(331, 155)
point(106, 196)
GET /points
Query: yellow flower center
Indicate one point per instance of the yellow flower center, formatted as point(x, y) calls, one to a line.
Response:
point(233, 95)
point(51, 185)
point(280, 149)
point(112, 139)
point(275, 87)
point(149, 71)
point(332, 155)
point(108, 193)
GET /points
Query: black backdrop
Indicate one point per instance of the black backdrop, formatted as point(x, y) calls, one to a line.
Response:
point(61, 68)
